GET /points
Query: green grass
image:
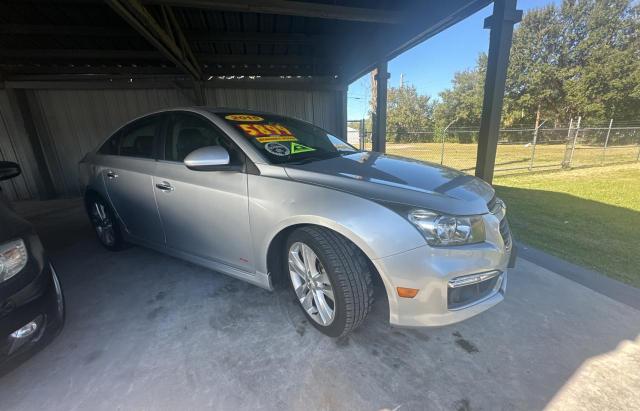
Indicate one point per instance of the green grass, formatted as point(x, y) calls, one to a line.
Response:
point(513, 158)
point(588, 216)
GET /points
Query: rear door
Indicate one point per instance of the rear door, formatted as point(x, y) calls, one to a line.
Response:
point(204, 213)
point(128, 177)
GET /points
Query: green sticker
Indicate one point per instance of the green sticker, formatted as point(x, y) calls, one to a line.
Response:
point(299, 148)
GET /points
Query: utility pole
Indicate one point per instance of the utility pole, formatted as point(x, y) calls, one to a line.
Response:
point(401, 80)
point(380, 78)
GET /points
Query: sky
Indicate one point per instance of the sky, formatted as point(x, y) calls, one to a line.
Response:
point(430, 65)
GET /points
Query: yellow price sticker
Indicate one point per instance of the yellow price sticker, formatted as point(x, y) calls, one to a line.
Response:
point(270, 139)
point(243, 117)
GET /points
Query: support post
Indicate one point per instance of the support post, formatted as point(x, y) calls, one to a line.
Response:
point(379, 137)
point(505, 16)
point(606, 142)
point(573, 145)
point(535, 139)
point(444, 133)
point(362, 134)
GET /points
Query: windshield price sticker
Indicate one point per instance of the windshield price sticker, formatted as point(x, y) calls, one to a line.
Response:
point(277, 149)
point(299, 148)
point(265, 130)
point(243, 117)
point(276, 138)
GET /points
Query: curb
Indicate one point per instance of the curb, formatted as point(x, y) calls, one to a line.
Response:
point(614, 289)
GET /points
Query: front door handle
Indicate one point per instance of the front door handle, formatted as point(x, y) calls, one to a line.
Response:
point(111, 175)
point(164, 186)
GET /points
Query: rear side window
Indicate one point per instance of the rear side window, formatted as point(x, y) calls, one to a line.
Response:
point(135, 140)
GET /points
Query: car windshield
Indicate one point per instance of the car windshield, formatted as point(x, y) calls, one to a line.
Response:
point(286, 140)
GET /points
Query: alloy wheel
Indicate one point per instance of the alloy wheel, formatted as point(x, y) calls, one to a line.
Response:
point(311, 283)
point(102, 224)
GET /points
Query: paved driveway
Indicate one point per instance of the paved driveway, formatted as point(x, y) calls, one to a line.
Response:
point(147, 331)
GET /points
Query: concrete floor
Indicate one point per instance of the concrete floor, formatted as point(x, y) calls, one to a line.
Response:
point(147, 331)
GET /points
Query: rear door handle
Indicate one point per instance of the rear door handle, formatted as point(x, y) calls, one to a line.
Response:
point(164, 186)
point(111, 175)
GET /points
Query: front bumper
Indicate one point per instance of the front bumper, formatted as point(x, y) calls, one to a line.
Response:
point(41, 303)
point(433, 270)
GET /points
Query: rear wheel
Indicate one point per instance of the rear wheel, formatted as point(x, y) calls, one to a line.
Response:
point(330, 278)
point(105, 224)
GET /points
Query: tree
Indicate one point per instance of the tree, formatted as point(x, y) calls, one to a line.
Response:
point(579, 59)
point(534, 83)
point(408, 112)
point(603, 59)
point(463, 102)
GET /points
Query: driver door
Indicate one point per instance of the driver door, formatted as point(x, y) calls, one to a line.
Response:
point(204, 213)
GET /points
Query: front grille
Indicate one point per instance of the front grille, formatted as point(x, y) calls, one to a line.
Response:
point(462, 296)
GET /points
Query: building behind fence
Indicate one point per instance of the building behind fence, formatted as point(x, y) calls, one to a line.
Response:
point(519, 150)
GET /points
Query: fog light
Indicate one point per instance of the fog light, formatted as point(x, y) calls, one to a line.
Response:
point(26, 330)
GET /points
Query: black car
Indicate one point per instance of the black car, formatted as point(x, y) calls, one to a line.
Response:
point(31, 301)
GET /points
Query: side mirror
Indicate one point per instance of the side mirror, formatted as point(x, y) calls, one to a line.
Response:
point(9, 169)
point(208, 158)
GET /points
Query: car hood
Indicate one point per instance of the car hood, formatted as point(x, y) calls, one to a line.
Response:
point(398, 180)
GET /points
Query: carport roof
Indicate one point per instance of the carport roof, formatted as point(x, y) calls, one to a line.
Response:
point(201, 39)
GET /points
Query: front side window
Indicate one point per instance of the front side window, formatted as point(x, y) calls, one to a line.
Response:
point(189, 132)
point(286, 140)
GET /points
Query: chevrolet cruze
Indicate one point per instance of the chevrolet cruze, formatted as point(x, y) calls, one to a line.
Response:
point(261, 197)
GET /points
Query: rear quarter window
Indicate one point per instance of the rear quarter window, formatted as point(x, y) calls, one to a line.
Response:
point(110, 147)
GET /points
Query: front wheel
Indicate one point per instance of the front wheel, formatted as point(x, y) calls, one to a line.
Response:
point(330, 278)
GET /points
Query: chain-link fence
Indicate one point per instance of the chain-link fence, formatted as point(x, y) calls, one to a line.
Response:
point(519, 150)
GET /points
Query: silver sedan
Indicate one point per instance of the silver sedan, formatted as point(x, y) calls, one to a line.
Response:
point(263, 198)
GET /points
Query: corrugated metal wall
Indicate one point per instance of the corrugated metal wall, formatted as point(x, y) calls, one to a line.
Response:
point(70, 123)
point(76, 121)
point(318, 107)
point(14, 146)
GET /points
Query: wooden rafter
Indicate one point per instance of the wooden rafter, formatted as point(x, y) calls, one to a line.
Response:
point(134, 13)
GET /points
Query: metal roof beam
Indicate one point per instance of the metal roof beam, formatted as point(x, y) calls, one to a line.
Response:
point(291, 8)
point(134, 13)
point(192, 35)
point(61, 30)
point(80, 57)
point(85, 71)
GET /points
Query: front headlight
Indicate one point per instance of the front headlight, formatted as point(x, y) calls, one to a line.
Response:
point(13, 258)
point(444, 230)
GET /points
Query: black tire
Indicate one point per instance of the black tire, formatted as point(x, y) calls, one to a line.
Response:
point(118, 242)
point(349, 273)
